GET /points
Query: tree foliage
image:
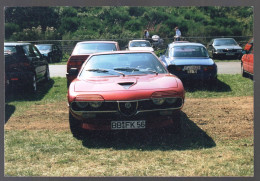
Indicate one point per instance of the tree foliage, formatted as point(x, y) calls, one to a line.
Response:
point(108, 22)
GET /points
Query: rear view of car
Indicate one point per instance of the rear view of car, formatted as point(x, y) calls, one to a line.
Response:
point(82, 51)
point(247, 60)
point(189, 61)
point(24, 66)
point(140, 45)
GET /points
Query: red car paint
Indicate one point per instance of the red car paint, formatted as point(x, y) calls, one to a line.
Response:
point(138, 90)
point(76, 60)
point(247, 60)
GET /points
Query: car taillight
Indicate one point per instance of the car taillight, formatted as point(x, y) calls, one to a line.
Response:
point(208, 68)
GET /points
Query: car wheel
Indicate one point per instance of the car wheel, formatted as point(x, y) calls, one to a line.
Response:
point(75, 127)
point(33, 84)
point(176, 126)
point(243, 73)
point(47, 74)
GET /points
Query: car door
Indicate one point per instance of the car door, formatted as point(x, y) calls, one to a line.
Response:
point(40, 62)
point(250, 57)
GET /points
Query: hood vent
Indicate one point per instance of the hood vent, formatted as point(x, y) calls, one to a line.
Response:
point(126, 85)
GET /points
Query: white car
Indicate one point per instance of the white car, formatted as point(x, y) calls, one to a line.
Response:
point(145, 45)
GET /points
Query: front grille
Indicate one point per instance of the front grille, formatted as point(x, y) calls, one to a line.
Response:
point(128, 108)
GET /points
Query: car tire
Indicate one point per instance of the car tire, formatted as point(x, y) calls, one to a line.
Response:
point(75, 127)
point(33, 84)
point(176, 126)
point(243, 73)
point(47, 74)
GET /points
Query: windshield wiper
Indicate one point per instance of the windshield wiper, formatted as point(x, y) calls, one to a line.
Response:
point(153, 71)
point(128, 69)
point(104, 71)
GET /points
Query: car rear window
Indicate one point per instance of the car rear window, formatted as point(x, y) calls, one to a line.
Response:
point(189, 51)
point(140, 44)
point(9, 50)
point(86, 48)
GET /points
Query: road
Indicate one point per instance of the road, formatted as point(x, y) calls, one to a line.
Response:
point(223, 68)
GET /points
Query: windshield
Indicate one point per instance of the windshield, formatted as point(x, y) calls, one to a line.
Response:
point(140, 44)
point(86, 48)
point(188, 51)
point(43, 47)
point(122, 64)
point(220, 42)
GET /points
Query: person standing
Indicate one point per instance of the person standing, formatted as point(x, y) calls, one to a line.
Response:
point(146, 33)
point(177, 34)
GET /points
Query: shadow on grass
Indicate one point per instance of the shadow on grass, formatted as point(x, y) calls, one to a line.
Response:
point(21, 95)
point(190, 137)
point(216, 86)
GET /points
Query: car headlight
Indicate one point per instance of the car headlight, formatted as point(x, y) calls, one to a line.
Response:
point(82, 104)
point(171, 100)
point(158, 101)
point(239, 51)
point(96, 104)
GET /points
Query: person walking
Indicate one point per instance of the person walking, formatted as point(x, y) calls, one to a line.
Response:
point(177, 34)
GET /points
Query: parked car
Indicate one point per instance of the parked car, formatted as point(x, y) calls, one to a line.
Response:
point(247, 60)
point(24, 66)
point(124, 90)
point(81, 52)
point(52, 52)
point(224, 48)
point(139, 45)
point(189, 61)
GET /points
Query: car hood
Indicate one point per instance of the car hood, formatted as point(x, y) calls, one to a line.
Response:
point(141, 48)
point(228, 47)
point(191, 61)
point(131, 83)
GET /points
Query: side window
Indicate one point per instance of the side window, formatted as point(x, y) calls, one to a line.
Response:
point(28, 51)
point(36, 52)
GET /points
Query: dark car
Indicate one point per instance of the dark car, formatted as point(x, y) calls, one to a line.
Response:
point(124, 90)
point(24, 66)
point(220, 48)
point(189, 61)
point(81, 52)
point(247, 60)
point(52, 52)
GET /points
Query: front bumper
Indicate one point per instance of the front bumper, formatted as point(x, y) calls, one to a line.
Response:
point(152, 119)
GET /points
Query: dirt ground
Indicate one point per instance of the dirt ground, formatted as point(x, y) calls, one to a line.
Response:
point(228, 116)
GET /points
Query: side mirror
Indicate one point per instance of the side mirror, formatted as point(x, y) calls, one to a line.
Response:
point(73, 71)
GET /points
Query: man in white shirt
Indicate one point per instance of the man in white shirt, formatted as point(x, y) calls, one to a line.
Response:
point(178, 34)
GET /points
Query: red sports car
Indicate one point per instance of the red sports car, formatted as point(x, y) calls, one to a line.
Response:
point(124, 90)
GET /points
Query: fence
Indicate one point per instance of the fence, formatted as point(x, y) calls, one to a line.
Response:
point(68, 45)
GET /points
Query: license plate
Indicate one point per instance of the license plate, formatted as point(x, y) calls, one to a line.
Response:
point(191, 71)
point(140, 124)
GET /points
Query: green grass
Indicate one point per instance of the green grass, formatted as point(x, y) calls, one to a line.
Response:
point(51, 153)
point(193, 152)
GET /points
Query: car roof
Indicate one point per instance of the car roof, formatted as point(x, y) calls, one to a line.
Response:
point(138, 40)
point(82, 42)
point(16, 43)
point(222, 38)
point(184, 44)
point(122, 51)
point(44, 44)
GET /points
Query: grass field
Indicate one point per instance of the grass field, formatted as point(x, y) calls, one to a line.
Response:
point(216, 140)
